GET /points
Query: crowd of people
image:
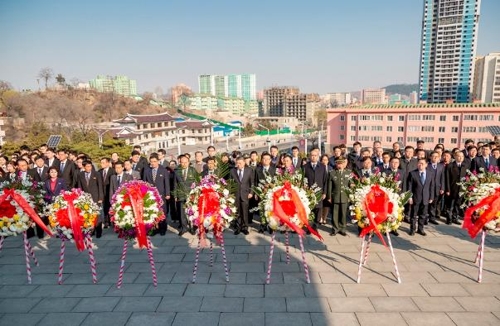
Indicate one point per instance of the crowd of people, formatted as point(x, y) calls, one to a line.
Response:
point(430, 175)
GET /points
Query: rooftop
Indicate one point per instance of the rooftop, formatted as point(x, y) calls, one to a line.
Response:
point(145, 118)
point(421, 106)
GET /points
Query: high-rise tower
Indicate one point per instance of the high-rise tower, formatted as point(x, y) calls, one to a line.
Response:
point(449, 41)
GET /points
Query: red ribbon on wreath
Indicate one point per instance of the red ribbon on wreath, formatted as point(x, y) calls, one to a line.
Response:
point(491, 205)
point(209, 205)
point(75, 220)
point(378, 207)
point(25, 207)
point(137, 203)
point(283, 209)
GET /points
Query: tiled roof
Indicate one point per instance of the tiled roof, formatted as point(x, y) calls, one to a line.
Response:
point(145, 118)
point(193, 124)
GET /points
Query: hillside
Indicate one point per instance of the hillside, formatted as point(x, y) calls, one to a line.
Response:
point(403, 89)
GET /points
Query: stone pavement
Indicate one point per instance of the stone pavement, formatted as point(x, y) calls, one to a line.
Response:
point(439, 283)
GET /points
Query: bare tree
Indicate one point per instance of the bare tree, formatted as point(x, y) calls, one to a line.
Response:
point(46, 74)
point(4, 86)
point(60, 79)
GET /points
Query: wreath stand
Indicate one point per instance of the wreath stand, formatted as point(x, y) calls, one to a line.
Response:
point(480, 256)
point(224, 259)
point(89, 246)
point(151, 262)
point(364, 255)
point(28, 252)
point(287, 246)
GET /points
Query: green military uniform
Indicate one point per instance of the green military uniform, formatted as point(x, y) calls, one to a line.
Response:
point(338, 181)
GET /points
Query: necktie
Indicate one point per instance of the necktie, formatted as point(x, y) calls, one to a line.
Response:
point(434, 166)
point(314, 166)
point(294, 161)
point(134, 166)
point(154, 175)
point(422, 177)
point(240, 174)
point(62, 167)
point(104, 174)
point(87, 177)
point(119, 179)
point(184, 174)
point(487, 161)
point(39, 171)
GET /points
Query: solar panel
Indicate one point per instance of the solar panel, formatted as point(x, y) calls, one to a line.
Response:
point(494, 130)
point(54, 140)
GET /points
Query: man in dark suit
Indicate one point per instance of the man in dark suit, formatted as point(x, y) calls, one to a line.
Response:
point(139, 163)
point(378, 158)
point(338, 182)
point(127, 166)
point(455, 171)
point(158, 177)
point(209, 168)
point(67, 169)
point(50, 158)
point(397, 173)
point(185, 176)
point(421, 185)
point(296, 160)
point(90, 181)
point(408, 163)
point(485, 161)
point(315, 173)
point(106, 172)
point(244, 178)
point(162, 157)
point(39, 172)
point(263, 171)
point(117, 179)
point(438, 169)
point(366, 170)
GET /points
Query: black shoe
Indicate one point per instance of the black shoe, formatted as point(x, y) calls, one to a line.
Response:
point(162, 233)
point(395, 233)
point(236, 232)
point(245, 232)
point(422, 233)
point(412, 233)
point(434, 222)
point(342, 233)
point(182, 232)
point(271, 231)
point(192, 231)
point(261, 229)
point(448, 222)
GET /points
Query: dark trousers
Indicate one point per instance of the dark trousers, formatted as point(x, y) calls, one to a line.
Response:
point(408, 211)
point(39, 230)
point(242, 210)
point(455, 212)
point(339, 217)
point(106, 205)
point(435, 208)
point(181, 214)
point(163, 225)
point(418, 216)
point(172, 209)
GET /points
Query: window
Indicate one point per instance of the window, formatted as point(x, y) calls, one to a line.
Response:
point(486, 117)
point(442, 129)
point(341, 137)
point(376, 138)
point(401, 129)
point(376, 128)
point(389, 128)
point(365, 118)
point(389, 118)
point(377, 117)
point(353, 128)
point(428, 128)
point(454, 129)
point(342, 118)
point(402, 118)
point(400, 139)
point(353, 138)
point(470, 117)
point(441, 140)
point(342, 128)
point(388, 139)
point(482, 129)
point(354, 118)
point(414, 117)
point(469, 129)
point(428, 117)
point(442, 118)
point(453, 141)
point(456, 118)
point(413, 128)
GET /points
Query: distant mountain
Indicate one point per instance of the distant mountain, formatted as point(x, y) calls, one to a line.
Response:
point(403, 89)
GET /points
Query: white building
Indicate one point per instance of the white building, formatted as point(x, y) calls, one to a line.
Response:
point(487, 78)
point(373, 96)
point(202, 102)
point(335, 99)
point(235, 85)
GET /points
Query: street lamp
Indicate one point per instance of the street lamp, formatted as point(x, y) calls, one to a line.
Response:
point(239, 137)
point(268, 135)
point(100, 134)
point(319, 136)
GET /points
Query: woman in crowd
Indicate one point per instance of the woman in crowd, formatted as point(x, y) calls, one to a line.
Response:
point(53, 185)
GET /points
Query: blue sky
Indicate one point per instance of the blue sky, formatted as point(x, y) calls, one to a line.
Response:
point(320, 46)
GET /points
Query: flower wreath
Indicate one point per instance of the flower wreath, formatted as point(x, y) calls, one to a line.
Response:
point(210, 207)
point(136, 209)
point(480, 191)
point(74, 215)
point(286, 202)
point(20, 201)
point(377, 205)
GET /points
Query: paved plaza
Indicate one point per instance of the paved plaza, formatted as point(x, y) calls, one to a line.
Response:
point(439, 283)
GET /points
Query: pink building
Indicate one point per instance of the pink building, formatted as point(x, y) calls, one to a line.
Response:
point(450, 124)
